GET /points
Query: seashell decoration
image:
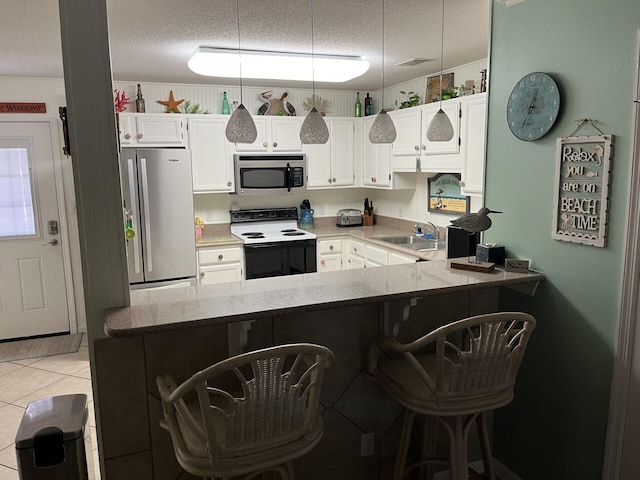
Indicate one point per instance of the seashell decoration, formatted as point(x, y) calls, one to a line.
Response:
point(321, 104)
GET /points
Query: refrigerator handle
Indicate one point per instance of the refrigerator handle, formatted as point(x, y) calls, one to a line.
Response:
point(132, 196)
point(145, 208)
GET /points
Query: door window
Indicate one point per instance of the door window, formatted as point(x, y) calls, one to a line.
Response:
point(17, 218)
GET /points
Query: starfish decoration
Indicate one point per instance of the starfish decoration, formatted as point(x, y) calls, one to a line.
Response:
point(172, 103)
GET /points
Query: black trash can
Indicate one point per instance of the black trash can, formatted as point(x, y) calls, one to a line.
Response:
point(53, 440)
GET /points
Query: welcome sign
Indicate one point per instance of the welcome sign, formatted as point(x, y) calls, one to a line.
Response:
point(583, 166)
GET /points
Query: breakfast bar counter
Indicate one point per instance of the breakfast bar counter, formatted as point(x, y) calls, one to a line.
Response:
point(187, 307)
point(182, 330)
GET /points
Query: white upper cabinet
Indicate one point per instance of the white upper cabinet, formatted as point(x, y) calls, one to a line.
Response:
point(473, 134)
point(211, 154)
point(152, 130)
point(275, 134)
point(332, 164)
point(413, 152)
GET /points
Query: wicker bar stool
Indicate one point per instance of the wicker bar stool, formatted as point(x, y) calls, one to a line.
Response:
point(471, 372)
point(248, 414)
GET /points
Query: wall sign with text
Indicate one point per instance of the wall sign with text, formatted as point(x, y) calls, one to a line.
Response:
point(583, 165)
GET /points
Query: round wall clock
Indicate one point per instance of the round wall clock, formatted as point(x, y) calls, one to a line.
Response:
point(533, 106)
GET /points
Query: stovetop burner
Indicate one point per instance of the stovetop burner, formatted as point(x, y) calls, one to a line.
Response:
point(268, 225)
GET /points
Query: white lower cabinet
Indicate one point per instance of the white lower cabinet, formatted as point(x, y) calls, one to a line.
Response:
point(396, 258)
point(356, 254)
point(220, 265)
point(375, 256)
point(329, 254)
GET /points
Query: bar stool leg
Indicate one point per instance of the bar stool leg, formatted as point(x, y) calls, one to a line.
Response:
point(403, 447)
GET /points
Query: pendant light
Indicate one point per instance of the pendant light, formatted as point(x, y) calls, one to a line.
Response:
point(314, 129)
point(383, 130)
point(440, 128)
point(241, 127)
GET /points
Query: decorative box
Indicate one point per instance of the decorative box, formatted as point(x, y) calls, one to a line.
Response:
point(490, 252)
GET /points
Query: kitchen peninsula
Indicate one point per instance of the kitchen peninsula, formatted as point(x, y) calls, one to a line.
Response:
point(183, 330)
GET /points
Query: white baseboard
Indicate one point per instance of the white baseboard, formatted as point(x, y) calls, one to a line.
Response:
point(501, 471)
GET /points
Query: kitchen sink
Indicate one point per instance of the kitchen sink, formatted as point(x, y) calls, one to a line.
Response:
point(412, 242)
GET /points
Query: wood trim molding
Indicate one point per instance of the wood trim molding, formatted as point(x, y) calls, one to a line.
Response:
point(628, 305)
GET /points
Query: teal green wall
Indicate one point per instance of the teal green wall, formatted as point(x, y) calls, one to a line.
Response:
point(556, 426)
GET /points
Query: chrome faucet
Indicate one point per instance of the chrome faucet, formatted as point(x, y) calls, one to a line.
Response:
point(436, 230)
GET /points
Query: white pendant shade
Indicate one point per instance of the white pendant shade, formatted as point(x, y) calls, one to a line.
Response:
point(440, 128)
point(383, 130)
point(241, 127)
point(314, 129)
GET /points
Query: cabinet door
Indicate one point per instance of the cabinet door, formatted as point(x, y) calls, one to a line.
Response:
point(396, 258)
point(452, 109)
point(211, 155)
point(377, 157)
point(356, 262)
point(473, 135)
point(330, 263)
point(376, 255)
point(341, 139)
point(126, 129)
point(408, 124)
point(213, 274)
point(160, 130)
point(318, 165)
point(285, 134)
point(261, 143)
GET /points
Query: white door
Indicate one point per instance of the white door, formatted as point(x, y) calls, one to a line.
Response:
point(33, 295)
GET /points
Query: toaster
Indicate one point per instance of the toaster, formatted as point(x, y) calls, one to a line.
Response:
point(349, 217)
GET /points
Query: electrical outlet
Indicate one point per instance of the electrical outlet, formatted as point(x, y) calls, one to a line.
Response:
point(320, 210)
point(400, 212)
point(367, 444)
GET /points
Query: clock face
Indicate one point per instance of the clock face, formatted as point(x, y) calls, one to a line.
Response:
point(533, 106)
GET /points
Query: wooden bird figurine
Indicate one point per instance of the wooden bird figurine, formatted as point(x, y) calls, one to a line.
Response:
point(475, 222)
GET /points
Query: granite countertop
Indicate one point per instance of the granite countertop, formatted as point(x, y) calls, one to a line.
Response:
point(323, 230)
point(188, 307)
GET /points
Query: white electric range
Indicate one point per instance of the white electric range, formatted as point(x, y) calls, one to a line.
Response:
point(273, 243)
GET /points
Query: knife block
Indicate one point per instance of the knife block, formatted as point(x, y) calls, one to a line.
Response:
point(367, 219)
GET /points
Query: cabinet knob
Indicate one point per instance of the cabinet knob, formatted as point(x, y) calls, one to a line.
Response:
point(275, 144)
point(424, 147)
point(202, 274)
point(417, 147)
point(322, 262)
point(333, 180)
point(330, 247)
point(461, 183)
point(140, 135)
point(128, 136)
point(228, 184)
point(329, 181)
point(265, 144)
point(355, 249)
point(220, 257)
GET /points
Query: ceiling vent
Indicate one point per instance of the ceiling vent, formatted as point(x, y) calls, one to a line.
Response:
point(412, 62)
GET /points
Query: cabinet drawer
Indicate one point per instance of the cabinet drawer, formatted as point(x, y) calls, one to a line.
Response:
point(219, 256)
point(356, 248)
point(376, 255)
point(330, 246)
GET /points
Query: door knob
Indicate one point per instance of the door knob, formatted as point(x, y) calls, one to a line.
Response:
point(53, 242)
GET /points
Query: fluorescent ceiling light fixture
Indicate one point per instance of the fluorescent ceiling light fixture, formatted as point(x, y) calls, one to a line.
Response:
point(221, 62)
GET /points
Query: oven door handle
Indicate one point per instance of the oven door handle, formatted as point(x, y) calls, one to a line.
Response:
point(264, 245)
point(289, 177)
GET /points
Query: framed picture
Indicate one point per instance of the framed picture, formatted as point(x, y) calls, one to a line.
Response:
point(433, 87)
point(444, 194)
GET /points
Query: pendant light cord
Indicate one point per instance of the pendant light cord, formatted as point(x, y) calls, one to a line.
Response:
point(239, 54)
point(382, 94)
point(441, 51)
point(313, 61)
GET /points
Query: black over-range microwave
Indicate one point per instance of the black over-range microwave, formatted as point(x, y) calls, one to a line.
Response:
point(265, 174)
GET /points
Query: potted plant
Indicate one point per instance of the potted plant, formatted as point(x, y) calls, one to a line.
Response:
point(449, 93)
point(412, 100)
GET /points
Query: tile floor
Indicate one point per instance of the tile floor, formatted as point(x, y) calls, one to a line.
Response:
point(23, 381)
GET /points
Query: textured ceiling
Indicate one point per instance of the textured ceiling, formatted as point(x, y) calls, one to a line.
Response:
point(151, 40)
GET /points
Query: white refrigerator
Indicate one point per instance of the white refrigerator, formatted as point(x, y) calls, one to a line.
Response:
point(158, 204)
